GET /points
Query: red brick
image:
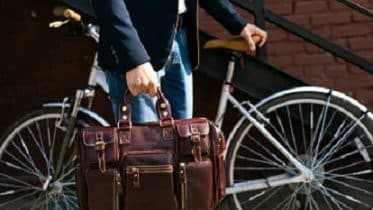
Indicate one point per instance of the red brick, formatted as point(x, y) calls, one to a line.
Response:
point(366, 54)
point(361, 43)
point(314, 71)
point(357, 17)
point(364, 96)
point(335, 5)
point(281, 8)
point(355, 70)
point(307, 59)
point(300, 19)
point(276, 1)
point(323, 82)
point(322, 31)
point(365, 3)
point(276, 35)
point(295, 71)
point(341, 42)
point(336, 70)
point(281, 61)
point(331, 18)
point(285, 48)
point(310, 48)
point(350, 30)
point(355, 82)
point(310, 6)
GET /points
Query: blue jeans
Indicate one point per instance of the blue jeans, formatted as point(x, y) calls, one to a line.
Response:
point(175, 80)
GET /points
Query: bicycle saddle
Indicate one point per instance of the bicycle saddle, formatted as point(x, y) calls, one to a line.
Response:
point(235, 44)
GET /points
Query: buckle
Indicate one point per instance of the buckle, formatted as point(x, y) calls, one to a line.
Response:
point(100, 143)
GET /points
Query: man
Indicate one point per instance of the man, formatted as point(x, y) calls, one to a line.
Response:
point(140, 37)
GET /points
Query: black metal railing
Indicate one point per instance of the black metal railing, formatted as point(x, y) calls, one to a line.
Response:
point(257, 8)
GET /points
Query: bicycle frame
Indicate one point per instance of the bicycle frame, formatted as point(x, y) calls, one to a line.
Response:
point(305, 174)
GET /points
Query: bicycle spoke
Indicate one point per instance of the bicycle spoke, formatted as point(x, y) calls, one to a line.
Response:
point(27, 156)
point(290, 122)
point(260, 155)
point(337, 202)
point(288, 198)
point(319, 137)
point(17, 180)
point(25, 167)
point(346, 155)
point(302, 124)
point(255, 168)
point(38, 145)
point(282, 163)
point(347, 166)
point(349, 197)
point(43, 148)
point(18, 198)
point(260, 195)
point(51, 149)
point(340, 142)
point(13, 166)
point(349, 186)
point(344, 176)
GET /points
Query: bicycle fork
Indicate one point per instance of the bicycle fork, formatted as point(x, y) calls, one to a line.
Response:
point(72, 119)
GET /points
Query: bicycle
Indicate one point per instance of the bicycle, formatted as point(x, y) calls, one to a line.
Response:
point(303, 148)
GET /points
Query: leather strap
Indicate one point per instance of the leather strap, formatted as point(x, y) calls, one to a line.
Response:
point(195, 138)
point(162, 106)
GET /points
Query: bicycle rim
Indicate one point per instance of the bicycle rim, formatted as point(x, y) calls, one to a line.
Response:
point(28, 154)
point(329, 135)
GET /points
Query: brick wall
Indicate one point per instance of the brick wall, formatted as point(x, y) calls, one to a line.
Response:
point(41, 64)
point(330, 19)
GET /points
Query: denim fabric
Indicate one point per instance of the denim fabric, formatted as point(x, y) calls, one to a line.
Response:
point(175, 80)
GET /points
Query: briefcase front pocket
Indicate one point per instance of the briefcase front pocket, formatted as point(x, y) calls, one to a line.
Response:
point(103, 189)
point(197, 189)
point(149, 182)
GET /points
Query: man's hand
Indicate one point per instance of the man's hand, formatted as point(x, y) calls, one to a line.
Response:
point(250, 30)
point(142, 79)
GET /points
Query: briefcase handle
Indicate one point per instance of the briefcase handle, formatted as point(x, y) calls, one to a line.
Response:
point(162, 106)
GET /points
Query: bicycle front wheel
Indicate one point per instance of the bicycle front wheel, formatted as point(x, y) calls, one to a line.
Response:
point(28, 155)
point(327, 131)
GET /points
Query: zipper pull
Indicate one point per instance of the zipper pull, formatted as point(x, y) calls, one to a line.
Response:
point(183, 180)
point(118, 180)
point(182, 173)
point(136, 178)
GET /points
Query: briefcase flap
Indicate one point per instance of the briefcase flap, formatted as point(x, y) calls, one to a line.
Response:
point(194, 134)
point(99, 145)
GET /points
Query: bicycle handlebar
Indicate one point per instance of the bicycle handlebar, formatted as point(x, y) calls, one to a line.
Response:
point(72, 15)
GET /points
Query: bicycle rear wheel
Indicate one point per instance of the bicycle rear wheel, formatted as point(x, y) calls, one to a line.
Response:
point(28, 154)
point(328, 131)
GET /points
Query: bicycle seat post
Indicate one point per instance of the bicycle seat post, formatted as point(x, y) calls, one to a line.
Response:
point(233, 56)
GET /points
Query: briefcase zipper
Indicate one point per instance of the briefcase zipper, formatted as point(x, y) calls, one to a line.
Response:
point(149, 169)
point(183, 180)
point(116, 185)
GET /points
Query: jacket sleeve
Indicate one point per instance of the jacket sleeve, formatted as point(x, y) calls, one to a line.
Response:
point(115, 20)
point(224, 12)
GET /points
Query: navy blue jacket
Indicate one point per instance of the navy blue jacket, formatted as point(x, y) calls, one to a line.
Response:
point(133, 32)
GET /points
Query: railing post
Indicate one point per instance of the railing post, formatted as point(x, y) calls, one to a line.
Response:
point(259, 15)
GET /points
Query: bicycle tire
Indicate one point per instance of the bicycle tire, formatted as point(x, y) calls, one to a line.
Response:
point(344, 179)
point(27, 158)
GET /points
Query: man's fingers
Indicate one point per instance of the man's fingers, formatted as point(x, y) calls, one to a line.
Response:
point(251, 43)
point(152, 90)
point(133, 90)
point(263, 35)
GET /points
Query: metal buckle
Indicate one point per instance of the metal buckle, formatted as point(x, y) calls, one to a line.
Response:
point(100, 143)
point(195, 135)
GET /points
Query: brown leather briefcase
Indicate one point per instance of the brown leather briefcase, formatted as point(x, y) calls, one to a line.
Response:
point(164, 165)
